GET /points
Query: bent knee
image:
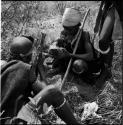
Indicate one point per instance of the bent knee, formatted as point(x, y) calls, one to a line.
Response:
point(79, 66)
point(56, 96)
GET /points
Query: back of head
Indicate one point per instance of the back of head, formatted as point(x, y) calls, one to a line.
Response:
point(21, 46)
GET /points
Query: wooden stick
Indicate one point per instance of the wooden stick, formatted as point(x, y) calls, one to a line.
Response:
point(70, 62)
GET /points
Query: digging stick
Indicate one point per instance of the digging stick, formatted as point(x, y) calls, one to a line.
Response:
point(74, 51)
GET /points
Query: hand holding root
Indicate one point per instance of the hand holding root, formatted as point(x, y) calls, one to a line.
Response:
point(59, 53)
point(65, 53)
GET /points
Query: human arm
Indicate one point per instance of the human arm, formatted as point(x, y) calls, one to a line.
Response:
point(88, 56)
point(107, 30)
point(51, 95)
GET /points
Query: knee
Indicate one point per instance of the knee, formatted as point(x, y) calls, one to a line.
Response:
point(79, 66)
point(56, 97)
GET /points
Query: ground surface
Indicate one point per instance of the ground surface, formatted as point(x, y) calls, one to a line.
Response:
point(110, 100)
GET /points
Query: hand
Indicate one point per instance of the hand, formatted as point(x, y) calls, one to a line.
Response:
point(59, 53)
point(64, 53)
point(52, 72)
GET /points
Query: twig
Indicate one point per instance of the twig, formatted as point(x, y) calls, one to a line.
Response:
point(2, 113)
point(5, 118)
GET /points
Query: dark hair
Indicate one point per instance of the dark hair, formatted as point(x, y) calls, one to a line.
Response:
point(29, 37)
point(13, 56)
point(72, 30)
point(61, 42)
point(72, 27)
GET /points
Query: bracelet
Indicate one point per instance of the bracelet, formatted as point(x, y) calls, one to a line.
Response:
point(96, 46)
point(104, 52)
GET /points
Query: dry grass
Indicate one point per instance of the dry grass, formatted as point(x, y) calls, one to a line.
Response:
point(110, 99)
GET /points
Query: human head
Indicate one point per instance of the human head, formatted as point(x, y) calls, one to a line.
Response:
point(71, 20)
point(21, 48)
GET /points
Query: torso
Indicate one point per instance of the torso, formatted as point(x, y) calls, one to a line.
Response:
point(81, 45)
point(14, 82)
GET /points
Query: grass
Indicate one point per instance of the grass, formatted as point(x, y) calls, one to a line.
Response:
point(110, 99)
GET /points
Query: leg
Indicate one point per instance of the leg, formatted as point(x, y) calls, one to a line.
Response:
point(101, 80)
point(108, 59)
point(109, 56)
point(38, 86)
point(87, 91)
point(79, 66)
point(106, 31)
point(52, 96)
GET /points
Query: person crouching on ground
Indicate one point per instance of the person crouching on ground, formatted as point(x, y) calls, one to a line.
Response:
point(17, 79)
point(82, 65)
